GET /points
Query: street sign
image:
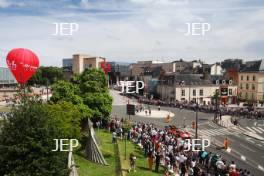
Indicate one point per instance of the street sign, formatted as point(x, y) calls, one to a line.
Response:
point(131, 109)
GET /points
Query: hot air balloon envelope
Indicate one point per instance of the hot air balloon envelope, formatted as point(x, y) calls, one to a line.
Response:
point(23, 63)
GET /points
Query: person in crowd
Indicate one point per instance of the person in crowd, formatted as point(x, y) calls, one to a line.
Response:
point(157, 161)
point(164, 147)
point(151, 158)
point(132, 159)
point(114, 137)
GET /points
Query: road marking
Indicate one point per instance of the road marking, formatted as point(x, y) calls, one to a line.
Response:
point(260, 167)
point(216, 132)
point(260, 129)
point(247, 148)
point(243, 158)
point(228, 150)
point(250, 140)
point(251, 130)
point(257, 130)
point(242, 129)
point(259, 145)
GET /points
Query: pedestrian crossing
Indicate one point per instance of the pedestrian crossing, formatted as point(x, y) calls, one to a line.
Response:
point(221, 131)
point(214, 132)
point(253, 129)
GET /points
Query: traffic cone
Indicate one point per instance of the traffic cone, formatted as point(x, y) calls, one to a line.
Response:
point(193, 125)
point(226, 143)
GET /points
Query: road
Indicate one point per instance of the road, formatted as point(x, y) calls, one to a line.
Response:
point(247, 152)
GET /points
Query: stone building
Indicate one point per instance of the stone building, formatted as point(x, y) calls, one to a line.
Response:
point(251, 81)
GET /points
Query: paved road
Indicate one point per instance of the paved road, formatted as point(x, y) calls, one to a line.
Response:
point(252, 125)
point(247, 152)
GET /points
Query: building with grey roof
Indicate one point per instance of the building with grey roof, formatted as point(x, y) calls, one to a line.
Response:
point(191, 87)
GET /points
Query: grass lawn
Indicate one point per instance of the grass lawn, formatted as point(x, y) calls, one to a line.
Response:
point(87, 168)
point(141, 162)
point(4, 109)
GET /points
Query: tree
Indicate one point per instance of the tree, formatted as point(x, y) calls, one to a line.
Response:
point(27, 141)
point(216, 97)
point(94, 91)
point(66, 91)
point(69, 92)
point(92, 80)
point(46, 74)
point(67, 116)
point(99, 103)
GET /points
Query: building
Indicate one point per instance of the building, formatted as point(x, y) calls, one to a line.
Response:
point(82, 61)
point(216, 69)
point(190, 87)
point(231, 69)
point(6, 77)
point(120, 71)
point(141, 67)
point(251, 81)
point(67, 63)
point(179, 66)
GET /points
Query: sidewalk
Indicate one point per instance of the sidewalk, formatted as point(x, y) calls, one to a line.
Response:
point(155, 113)
point(225, 121)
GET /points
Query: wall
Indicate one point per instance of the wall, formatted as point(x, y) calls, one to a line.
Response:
point(250, 89)
point(216, 69)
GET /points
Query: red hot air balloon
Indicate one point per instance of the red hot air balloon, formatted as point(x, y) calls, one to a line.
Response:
point(23, 63)
point(106, 67)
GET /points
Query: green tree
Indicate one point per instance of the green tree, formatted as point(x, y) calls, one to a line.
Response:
point(92, 80)
point(27, 141)
point(69, 92)
point(99, 103)
point(94, 91)
point(66, 91)
point(46, 74)
point(67, 116)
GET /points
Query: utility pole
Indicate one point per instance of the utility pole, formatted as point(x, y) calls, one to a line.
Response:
point(216, 106)
point(196, 122)
point(125, 146)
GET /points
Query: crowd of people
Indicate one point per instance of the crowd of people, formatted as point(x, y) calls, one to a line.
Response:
point(164, 148)
point(239, 111)
point(167, 149)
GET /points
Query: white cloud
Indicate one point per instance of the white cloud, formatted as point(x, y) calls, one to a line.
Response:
point(4, 4)
point(150, 32)
point(85, 4)
point(161, 2)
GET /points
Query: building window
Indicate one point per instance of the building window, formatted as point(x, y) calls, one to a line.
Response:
point(241, 77)
point(194, 92)
point(247, 78)
point(246, 95)
point(88, 66)
point(253, 78)
point(183, 93)
point(252, 96)
point(201, 92)
point(246, 86)
point(230, 92)
point(241, 86)
point(253, 86)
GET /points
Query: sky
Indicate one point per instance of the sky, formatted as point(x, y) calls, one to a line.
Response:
point(133, 30)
